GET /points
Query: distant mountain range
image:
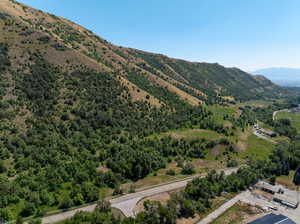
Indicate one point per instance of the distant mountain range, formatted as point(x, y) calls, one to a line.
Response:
point(282, 76)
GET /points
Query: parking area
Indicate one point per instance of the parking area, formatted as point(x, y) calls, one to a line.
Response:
point(269, 205)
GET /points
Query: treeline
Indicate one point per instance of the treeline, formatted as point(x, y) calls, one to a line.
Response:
point(285, 127)
point(197, 196)
point(136, 158)
point(47, 175)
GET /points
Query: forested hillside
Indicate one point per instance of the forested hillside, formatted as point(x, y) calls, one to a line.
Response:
point(76, 111)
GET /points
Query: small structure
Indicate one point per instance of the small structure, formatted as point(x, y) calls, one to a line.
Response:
point(273, 219)
point(272, 189)
point(269, 133)
point(280, 194)
point(291, 202)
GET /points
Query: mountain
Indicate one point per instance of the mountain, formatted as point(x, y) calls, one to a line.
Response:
point(67, 44)
point(76, 111)
point(282, 76)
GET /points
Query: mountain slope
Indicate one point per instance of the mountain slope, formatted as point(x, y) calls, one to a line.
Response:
point(68, 44)
point(76, 111)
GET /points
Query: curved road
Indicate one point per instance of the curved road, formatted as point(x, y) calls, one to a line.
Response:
point(278, 111)
point(128, 202)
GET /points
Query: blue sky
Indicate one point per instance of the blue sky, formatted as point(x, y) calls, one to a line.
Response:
point(250, 34)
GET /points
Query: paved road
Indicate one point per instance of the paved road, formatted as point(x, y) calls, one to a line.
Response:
point(127, 202)
point(253, 200)
point(293, 214)
point(278, 111)
point(212, 216)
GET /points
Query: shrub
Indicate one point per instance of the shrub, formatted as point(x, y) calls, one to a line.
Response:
point(171, 172)
point(188, 169)
point(232, 163)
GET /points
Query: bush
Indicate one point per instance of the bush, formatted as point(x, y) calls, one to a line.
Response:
point(3, 168)
point(171, 172)
point(28, 210)
point(188, 169)
point(36, 221)
point(103, 206)
point(5, 215)
point(232, 163)
point(66, 202)
point(118, 190)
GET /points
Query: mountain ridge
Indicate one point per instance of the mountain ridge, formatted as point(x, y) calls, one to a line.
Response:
point(160, 69)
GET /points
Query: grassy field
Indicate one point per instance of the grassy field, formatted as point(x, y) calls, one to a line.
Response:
point(193, 133)
point(247, 145)
point(202, 166)
point(257, 148)
point(220, 112)
point(294, 117)
point(256, 103)
point(287, 181)
point(237, 214)
point(216, 203)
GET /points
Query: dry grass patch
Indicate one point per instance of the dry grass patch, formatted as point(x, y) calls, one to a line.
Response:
point(217, 150)
point(138, 94)
point(191, 220)
point(241, 146)
point(194, 133)
point(287, 181)
point(239, 213)
point(203, 165)
point(162, 198)
point(183, 95)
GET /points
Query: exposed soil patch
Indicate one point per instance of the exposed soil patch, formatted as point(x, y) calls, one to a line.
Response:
point(217, 150)
point(264, 194)
point(184, 134)
point(227, 124)
point(138, 94)
point(241, 146)
point(162, 198)
point(189, 220)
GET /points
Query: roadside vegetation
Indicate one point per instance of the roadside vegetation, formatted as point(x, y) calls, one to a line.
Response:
point(197, 197)
point(238, 214)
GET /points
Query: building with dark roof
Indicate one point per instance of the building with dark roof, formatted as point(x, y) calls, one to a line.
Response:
point(273, 219)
